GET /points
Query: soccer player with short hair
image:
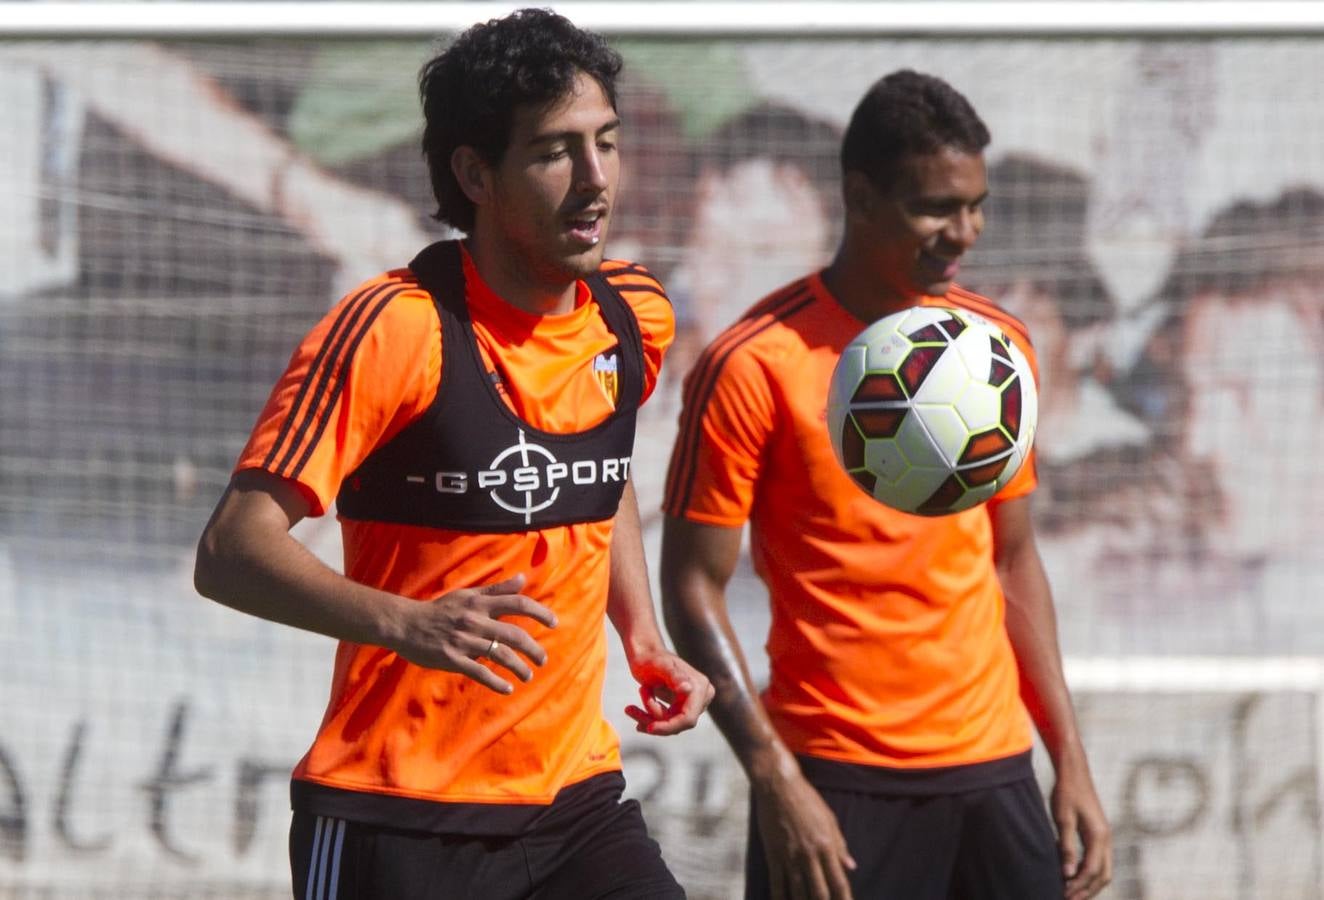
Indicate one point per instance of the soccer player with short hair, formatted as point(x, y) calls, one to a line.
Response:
point(889, 756)
point(472, 416)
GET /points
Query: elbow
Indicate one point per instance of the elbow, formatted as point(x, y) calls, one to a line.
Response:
point(676, 601)
point(673, 623)
point(208, 564)
point(672, 619)
point(685, 615)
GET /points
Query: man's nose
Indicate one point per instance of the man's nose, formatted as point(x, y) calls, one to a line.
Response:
point(963, 228)
point(590, 173)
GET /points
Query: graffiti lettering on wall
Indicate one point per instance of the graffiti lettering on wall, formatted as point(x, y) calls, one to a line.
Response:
point(162, 779)
point(1217, 793)
point(1259, 822)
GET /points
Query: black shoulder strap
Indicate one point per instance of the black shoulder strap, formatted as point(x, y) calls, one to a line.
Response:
point(440, 270)
point(620, 318)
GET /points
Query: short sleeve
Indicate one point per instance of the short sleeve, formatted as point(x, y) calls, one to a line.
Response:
point(366, 370)
point(1027, 479)
point(652, 310)
point(1022, 483)
point(725, 424)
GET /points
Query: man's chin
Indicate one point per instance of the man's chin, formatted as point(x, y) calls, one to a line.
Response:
point(934, 288)
point(585, 262)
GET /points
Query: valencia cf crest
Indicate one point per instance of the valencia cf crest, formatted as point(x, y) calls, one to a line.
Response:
point(606, 368)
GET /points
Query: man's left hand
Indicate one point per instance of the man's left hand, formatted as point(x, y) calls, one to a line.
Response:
point(1079, 816)
point(673, 693)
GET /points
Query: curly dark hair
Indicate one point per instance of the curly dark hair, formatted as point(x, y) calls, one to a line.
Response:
point(470, 91)
point(908, 114)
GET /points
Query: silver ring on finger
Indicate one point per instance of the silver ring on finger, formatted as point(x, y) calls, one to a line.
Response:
point(491, 648)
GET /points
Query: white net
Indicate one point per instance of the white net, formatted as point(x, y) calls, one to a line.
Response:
point(1209, 769)
point(177, 214)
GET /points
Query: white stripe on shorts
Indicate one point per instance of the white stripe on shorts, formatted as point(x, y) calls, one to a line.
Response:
point(328, 840)
point(311, 890)
point(335, 859)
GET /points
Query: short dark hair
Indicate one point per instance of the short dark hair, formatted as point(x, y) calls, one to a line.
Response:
point(908, 114)
point(470, 91)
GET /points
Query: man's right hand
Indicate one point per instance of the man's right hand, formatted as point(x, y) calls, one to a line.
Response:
point(457, 629)
point(805, 850)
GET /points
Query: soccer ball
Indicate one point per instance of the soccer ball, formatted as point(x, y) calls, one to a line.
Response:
point(932, 410)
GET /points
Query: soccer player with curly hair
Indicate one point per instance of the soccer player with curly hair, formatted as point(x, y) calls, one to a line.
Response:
point(472, 416)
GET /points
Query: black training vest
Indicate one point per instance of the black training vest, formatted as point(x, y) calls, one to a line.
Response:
point(469, 463)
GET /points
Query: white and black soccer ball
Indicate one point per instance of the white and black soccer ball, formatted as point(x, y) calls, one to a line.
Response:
point(932, 410)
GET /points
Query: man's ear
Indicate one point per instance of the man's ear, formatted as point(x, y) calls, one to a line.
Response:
point(472, 174)
point(860, 195)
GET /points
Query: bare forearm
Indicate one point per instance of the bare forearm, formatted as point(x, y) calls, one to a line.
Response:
point(300, 591)
point(1082, 825)
point(673, 695)
point(629, 597)
point(801, 834)
point(1032, 629)
point(704, 637)
point(697, 562)
point(247, 560)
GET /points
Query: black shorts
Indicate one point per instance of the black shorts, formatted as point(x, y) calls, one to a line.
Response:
point(993, 843)
point(588, 844)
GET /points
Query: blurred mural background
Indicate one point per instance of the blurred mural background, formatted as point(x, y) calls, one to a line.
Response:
point(174, 215)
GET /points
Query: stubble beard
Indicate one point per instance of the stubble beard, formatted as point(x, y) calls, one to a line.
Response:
point(563, 269)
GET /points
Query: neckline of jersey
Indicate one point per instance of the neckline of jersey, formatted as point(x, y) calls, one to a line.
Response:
point(820, 288)
point(502, 316)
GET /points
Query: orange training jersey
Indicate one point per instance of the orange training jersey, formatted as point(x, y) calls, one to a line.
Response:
point(887, 645)
point(369, 368)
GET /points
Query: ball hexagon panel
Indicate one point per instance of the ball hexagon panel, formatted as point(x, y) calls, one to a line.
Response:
point(1012, 410)
point(976, 494)
point(979, 406)
point(886, 460)
point(879, 422)
point(918, 365)
point(973, 351)
point(985, 446)
point(945, 381)
point(885, 351)
point(945, 429)
point(916, 486)
point(1022, 408)
point(1015, 459)
point(852, 446)
point(849, 370)
point(932, 333)
point(1000, 372)
point(917, 446)
point(911, 320)
point(954, 325)
point(985, 473)
point(947, 494)
point(878, 387)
